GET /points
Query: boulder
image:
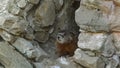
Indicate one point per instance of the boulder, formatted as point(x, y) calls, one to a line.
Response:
point(28, 49)
point(87, 61)
point(45, 14)
point(10, 58)
point(91, 41)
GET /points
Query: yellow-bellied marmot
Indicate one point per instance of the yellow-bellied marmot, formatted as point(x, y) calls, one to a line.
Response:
point(66, 43)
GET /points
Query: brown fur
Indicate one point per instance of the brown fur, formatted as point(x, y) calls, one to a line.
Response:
point(68, 47)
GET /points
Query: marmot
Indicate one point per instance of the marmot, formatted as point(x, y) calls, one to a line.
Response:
point(66, 43)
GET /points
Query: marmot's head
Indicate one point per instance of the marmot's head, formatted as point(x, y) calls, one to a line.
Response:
point(64, 37)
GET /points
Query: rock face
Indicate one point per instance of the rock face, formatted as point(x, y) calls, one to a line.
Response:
point(98, 44)
point(28, 49)
point(88, 61)
point(12, 59)
point(91, 40)
point(44, 17)
point(28, 30)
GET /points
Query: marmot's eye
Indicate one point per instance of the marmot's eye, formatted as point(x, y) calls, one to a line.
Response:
point(58, 37)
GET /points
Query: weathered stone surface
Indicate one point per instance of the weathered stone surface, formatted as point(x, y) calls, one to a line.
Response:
point(65, 17)
point(45, 14)
point(7, 36)
point(1, 67)
point(114, 22)
point(27, 48)
point(108, 50)
point(40, 53)
point(58, 4)
point(3, 5)
point(22, 3)
point(13, 24)
point(61, 62)
point(116, 40)
point(100, 30)
point(91, 41)
point(28, 7)
point(91, 19)
point(7, 22)
point(67, 63)
point(89, 53)
point(12, 59)
point(41, 36)
point(23, 46)
point(39, 65)
point(34, 1)
point(13, 8)
point(113, 62)
point(29, 33)
point(2, 19)
point(98, 16)
point(19, 27)
point(87, 61)
point(46, 63)
point(116, 2)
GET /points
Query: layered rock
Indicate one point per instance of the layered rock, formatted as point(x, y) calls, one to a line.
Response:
point(11, 58)
point(99, 39)
point(28, 29)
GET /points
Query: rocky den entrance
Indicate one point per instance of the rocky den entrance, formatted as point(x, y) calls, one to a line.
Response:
point(28, 31)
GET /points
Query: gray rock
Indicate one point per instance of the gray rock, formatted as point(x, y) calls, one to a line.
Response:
point(27, 48)
point(19, 27)
point(45, 14)
point(33, 1)
point(61, 62)
point(98, 15)
point(2, 67)
point(40, 53)
point(114, 22)
point(13, 24)
point(91, 41)
point(22, 3)
point(91, 20)
point(64, 19)
point(29, 33)
point(41, 36)
point(13, 8)
point(2, 19)
point(112, 62)
point(29, 36)
point(89, 53)
point(39, 65)
point(3, 5)
point(24, 46)
point(28, 7)
point(90, 62)
point(7, 36)
point(64, 62)
point(117, 2)
point(7, 21)
point(58, 4)
point(116, 40)
point(46, 63)
point(12, 59)
point(108, 50)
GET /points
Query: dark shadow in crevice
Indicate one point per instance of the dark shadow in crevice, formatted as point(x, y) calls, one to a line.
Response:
point(1, 65)
point(76, 4)
point(1, 39)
